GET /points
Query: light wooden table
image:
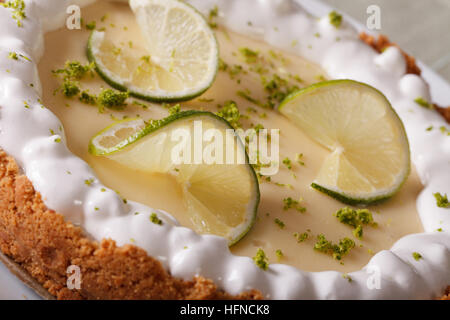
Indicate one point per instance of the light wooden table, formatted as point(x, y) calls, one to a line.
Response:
point(420, 27)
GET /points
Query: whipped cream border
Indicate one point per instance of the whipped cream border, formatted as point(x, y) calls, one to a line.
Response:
point(24, 134)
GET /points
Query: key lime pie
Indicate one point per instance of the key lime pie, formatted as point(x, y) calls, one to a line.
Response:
point(161, 149)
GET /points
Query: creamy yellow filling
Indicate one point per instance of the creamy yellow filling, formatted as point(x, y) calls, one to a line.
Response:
point(396, 217)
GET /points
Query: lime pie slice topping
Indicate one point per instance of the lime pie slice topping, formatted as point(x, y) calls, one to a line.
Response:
point(369, 158)
point(220, 199)
point(178, 60)
point(335, 145)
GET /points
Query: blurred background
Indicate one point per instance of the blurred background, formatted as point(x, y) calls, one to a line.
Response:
point(420, 27)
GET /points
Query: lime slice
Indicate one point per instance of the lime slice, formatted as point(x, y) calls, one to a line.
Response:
point(220, 198)
point(369, 151)
point(179, 60)
point(116, 136)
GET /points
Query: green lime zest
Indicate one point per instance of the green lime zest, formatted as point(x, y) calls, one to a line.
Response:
point(335, 19)
point(87, 98)
point(13, 56)
point(355, 218)
point(441, 200)
point(299, 159)
point(213, 14)
point(288, 163)
point(337, 251)
point(279, 223)
point(444, 130)
point(18, 10)
point(70, 88)
point(91, 25)
point(279, 254)
point(261, 259)
point(290, 203)
point(250, 56)
point(112, 99)
point(230, 112)
point(74, 70)
point(423, 103)
point(301, 237)
point(417, 256)
point(358, 232)
point(347, 277)
point(154, 219)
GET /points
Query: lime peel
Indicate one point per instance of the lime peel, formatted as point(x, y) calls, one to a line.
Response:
point(369, 157)
point(179, 66)
point(220, 199)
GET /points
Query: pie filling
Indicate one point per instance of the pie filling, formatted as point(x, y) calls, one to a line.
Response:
point(292, 230)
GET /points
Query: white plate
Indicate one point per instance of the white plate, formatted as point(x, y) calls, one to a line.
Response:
point(13, 288)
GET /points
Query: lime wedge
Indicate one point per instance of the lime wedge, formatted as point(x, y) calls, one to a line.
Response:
point(220, 198)
point(369, 151)
point(179, 61)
